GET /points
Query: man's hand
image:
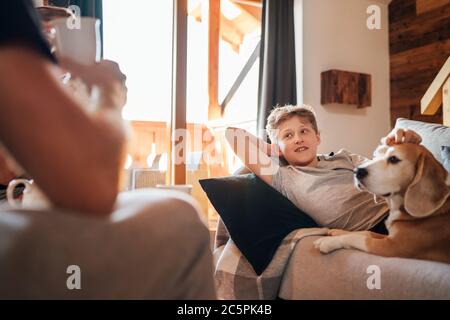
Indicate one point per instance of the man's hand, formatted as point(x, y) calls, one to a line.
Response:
point(106, 75)
point(97, 143)
point(6, 173)
point(401, 136)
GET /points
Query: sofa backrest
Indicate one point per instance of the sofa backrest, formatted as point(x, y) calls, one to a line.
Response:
point(434, 136)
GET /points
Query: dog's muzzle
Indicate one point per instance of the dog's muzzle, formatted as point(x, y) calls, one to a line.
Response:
point(360, 173)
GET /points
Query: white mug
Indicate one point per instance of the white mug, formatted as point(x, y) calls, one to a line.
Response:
point(78, 39)
point(38, 3)
point(32, 198)
point(186, 188)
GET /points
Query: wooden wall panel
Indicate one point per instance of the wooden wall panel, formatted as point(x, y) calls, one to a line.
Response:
point(419, 46)
point(429, 5)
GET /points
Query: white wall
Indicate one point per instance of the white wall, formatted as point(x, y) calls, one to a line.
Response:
point(332, 34)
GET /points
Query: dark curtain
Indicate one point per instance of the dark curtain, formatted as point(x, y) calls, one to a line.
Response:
point(89, 8)
point(277, 73)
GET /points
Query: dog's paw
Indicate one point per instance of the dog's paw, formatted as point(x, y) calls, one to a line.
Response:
point(327, 244)
point(336, 232)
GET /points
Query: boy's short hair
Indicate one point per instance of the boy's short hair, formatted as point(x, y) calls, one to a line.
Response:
point(280, 114)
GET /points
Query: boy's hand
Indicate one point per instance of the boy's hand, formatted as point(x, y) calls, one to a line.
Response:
point(401, 136)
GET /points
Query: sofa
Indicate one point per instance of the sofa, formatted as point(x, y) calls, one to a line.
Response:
point(343, 274)
point(153, 246)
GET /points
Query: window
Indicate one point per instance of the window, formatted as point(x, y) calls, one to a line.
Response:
point(138, 35)
point(239, 36)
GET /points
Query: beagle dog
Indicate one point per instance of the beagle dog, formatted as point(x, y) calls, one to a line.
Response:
point(417, 189)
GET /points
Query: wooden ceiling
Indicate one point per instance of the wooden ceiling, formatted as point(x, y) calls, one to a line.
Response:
point(234, 30)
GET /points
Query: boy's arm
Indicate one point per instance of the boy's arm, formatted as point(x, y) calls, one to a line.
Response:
point(253, 152)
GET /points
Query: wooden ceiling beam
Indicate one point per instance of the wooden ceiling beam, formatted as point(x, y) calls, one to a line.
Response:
point(250, 3)
point(255, 12)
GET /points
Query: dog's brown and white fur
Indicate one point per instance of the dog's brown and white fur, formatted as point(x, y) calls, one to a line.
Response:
point(416, 187)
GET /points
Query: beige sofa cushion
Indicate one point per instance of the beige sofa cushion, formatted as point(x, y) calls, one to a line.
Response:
point(434, 136)
point(343, 275)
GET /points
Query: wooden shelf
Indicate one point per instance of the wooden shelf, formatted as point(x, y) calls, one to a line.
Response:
point(345, 87)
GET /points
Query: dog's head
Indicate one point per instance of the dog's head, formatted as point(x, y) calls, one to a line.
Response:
point(409, 170)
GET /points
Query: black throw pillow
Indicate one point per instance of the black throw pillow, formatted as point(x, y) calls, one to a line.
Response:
point(257, 216)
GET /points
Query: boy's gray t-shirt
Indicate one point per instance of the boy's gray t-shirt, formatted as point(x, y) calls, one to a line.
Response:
point(327, 192)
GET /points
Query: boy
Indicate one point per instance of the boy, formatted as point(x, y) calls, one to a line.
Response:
point(321, 185)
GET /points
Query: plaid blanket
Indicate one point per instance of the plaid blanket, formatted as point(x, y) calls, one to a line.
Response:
point(234, 275)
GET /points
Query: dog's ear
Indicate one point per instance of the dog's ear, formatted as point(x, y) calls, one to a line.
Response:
point(428, 190)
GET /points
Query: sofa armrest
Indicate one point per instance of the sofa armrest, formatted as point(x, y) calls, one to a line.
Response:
point(347, 274)
point(153, 239)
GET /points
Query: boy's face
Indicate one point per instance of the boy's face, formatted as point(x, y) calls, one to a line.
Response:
point(298, 141)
